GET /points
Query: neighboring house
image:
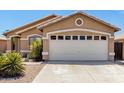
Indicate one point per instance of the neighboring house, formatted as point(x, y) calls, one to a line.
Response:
point(3, 44)
point(119, 47)
point(78, 36)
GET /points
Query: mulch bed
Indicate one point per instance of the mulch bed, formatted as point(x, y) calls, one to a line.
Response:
point(30, 73)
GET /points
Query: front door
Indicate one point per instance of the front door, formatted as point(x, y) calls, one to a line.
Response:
point(15, 43)
point(118, 48)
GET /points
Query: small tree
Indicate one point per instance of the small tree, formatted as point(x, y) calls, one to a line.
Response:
point(36, 50)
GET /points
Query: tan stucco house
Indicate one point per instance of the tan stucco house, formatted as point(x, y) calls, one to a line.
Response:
point(77, 36)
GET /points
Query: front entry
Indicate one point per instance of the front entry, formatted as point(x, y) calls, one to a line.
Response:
point(118, 48)
point(15, 43)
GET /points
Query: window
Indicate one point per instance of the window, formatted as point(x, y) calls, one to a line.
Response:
point(75, 37)
point(53, 37)
point(33, 38)
point(103, 37)
point(89, 37)
point(82, 37)
point(67, 37)
point(60, 37)
point(96, 37)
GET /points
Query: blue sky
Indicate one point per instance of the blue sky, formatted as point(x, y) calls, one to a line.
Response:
point(10, 19)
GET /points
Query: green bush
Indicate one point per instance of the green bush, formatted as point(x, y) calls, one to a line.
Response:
point(36, 50)
point(11, 65)
point(1, 53)
point(2, 62)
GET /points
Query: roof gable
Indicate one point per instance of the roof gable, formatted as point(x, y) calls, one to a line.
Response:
point(82, 13)
point(32, 23)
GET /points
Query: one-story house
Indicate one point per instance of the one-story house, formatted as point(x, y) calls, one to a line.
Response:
point(3, 44)
point(77, 36)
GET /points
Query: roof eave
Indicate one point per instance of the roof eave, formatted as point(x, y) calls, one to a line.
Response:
point(90, 16)
point(5, 33)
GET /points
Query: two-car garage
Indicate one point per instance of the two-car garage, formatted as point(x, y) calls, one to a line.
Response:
point(77, 47)
point(78, 37)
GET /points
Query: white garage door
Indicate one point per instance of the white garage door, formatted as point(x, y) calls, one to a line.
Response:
point(78, 48)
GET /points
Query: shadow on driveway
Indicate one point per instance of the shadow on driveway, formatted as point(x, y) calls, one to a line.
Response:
point(82, 62)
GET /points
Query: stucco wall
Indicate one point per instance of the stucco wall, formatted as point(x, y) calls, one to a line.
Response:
point(30, 32)
point(3, 45)
point(69, 23)
point(111, 49)
point(24, 45)
point(45, 48)
point(8, 45)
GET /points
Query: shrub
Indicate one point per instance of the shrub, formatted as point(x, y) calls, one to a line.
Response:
point(1, 53)
point(11, 65)
point(2, 62)
point(36, 50)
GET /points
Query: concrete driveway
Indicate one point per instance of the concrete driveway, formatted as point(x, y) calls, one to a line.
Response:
point(86, 72)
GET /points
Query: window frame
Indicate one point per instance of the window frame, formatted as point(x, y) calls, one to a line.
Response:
point(34, 38)
point(103, 36)
point(82, 36)
point(89, 36)
point(67, 36)
point(53, 36)
point(60, 36)
point(97, 36)
point(75, 36)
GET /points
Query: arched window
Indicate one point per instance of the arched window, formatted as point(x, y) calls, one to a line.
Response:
point(33, 38)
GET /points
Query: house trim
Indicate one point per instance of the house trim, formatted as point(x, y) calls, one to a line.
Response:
point(33, 35)
point(24, 38)
point(44, 53)
point(79, 29)
point(26, 29)
point(77, 23)
point(111, 54)
point(14, 36)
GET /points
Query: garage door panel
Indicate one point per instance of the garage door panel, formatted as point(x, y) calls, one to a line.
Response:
point(78, 50)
